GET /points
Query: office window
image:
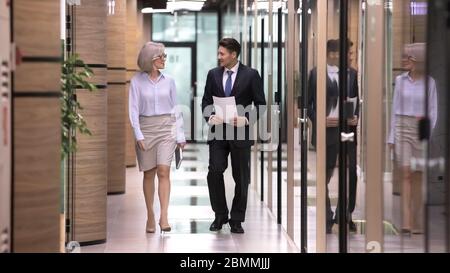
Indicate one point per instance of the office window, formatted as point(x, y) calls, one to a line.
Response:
point(173, 27)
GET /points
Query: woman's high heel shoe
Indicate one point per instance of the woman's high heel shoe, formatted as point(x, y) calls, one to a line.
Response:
point(150, 229)
point(165, 229)
point(406, 231)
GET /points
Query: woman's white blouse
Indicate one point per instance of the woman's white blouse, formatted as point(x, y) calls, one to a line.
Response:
point(148, 98)
point(409, 100)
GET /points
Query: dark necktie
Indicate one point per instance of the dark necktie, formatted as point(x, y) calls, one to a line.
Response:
point(228, 84)
point(334, 88)
point(334, 94)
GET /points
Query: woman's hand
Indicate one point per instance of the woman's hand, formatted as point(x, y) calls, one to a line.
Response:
point(141, 145)
point(181, 145)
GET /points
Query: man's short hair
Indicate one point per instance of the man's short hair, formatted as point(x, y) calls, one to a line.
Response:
point(333, 45)
point(231, 45)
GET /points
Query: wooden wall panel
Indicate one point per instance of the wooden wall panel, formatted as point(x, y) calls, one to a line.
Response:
point(116, 58)
point(90, 19)
point(36, 174)
point(29, 77)
point(36, 27)
point(116, 139)
point(401, 32)
point(90, 185)
point(36, 127)
point(90, 170)
point(131, 60)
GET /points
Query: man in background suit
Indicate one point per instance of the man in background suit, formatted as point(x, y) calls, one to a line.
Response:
point(231, 78)
point(332, 123)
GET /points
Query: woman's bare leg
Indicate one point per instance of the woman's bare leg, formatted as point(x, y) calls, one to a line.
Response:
point(149, 194)
point(406, 198)
point(164, 193)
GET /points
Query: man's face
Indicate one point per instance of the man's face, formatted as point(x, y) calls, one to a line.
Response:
point(351, 56)
point(333, 58)
point(226, 58)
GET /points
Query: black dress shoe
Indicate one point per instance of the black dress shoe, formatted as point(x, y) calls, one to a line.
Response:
point(218, 223)
point(236, 227)
point(329, 228)
point(352, 226)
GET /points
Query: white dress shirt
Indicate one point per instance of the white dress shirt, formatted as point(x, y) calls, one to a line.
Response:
point(152, 98)
point(233, 76)
point(333, 73)
point(233, 79)
point(409, 100)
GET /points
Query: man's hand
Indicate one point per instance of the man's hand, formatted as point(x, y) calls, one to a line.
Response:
point(181, 145)
point(239, 121)
point(353, 121)
point(332, 122)
point(215, 120)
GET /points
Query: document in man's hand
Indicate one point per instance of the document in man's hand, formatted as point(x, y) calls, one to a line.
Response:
point(178, 157)
point(225, 108)
point(354, 102)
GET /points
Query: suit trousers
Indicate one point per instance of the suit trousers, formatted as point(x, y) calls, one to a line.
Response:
point(332, 155)
point(218, 163)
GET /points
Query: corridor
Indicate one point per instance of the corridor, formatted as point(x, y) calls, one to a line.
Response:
point(190, 215)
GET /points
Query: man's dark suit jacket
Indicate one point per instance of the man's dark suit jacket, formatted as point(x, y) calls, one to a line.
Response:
point(332, 132)
point(247, 89)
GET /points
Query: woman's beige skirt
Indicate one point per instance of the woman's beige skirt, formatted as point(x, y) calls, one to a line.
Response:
point(159, 141)
point(407, 144)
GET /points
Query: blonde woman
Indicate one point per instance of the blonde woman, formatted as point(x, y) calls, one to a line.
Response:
point(407, 109)
point(157, 126)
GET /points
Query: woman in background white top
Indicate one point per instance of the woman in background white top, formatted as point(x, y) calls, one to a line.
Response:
point(157, 126)
point(407, 109)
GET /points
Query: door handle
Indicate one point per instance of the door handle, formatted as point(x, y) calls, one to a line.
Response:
point(277, 113)
point(304, 121)
point(191, 95)
point(347, 137)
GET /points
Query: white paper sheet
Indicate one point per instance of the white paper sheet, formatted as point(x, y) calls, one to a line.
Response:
point(334, 113)
point(354, 102)
point(225, 108)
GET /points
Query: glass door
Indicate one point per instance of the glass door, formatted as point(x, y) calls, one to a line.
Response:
point(404, 173)
point(341, 119)
point(437, 199)
point(328, 163)
point(303, 125)
point(180, 65)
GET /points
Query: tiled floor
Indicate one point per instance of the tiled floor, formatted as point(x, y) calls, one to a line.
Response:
point(393, 240)
point(190, 215)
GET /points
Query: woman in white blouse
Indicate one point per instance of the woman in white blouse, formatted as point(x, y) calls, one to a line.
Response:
point(407, 109)
point(157, 126)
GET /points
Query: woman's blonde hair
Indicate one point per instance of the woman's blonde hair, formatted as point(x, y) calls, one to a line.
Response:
point(416, 52)
point(147, 54)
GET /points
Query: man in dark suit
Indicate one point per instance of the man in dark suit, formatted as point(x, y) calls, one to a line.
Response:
point(332, 123)
point(234, 79)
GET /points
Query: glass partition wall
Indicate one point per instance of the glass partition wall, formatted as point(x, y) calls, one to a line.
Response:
point(339, 117)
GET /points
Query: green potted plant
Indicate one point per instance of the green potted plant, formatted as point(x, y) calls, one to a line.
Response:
point(75, 74)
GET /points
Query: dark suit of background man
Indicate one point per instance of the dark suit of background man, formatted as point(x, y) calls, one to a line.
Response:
point(332, 131)
point(231, 78)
